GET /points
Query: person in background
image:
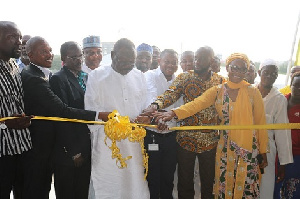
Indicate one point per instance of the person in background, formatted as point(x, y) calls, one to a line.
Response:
point(194, 144)
point(287, 89)
point(155, 57)
point(144, 57)
point(187, 61)
point(24, 59)
point(162, 158)
point(289, 187)
point(72, 150)
point(14, 134)
point(237, 103)
point(279, 140)
point(216, 64)
point(251, 73)
point(120, 87)
point(92, 51)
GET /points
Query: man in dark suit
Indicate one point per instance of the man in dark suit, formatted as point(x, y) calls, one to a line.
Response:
point(72, 153)
point(41, 101)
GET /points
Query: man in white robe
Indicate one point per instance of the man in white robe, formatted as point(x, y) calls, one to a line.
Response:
point(123, 88)
point(279, 140)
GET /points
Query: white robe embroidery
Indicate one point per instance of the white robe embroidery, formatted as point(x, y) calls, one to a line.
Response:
point(108, 90)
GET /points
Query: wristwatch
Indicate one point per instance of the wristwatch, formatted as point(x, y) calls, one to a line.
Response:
point(3, 125)
point(155, 105)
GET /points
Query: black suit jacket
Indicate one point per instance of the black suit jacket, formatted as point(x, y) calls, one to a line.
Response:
point(40, 100)
point(71, 138)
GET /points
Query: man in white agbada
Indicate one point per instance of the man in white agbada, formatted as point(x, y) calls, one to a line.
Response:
point(123, 88)
point(279, 140)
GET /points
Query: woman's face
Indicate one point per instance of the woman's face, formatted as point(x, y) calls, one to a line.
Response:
point(237, 70)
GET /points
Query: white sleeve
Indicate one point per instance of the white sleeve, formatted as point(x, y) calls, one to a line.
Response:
point(283, 138)
point(92, 100)
point(151, 87)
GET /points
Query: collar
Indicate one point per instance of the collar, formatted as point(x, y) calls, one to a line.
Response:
point(86, 69)
point(159, 72)
point(46, 71)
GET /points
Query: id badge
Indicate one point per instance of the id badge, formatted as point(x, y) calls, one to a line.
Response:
point(153, 147)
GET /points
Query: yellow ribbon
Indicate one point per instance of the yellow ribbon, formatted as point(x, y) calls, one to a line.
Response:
point(119, 127)
point(213, 127)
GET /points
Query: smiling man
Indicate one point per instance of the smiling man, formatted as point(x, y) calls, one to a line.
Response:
point(40, 100)
point(161, 148)
point(123, 88)
point(92, 51)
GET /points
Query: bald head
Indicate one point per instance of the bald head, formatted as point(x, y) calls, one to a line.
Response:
point(295, 69)
point(203, 59)
point(39, 52)
point(33, 42)
point(10, 40)
point(6, 26)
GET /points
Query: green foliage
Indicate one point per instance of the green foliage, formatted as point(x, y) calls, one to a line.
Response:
point(56, 64)
point(282, 67)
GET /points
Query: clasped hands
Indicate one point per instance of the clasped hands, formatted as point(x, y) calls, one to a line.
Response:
point(151, 115)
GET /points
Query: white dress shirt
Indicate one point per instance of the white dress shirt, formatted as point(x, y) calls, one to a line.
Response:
point(157, 84)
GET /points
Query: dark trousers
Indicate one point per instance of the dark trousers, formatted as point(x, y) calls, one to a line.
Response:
point(186, 164)
point(161, 164)
point(10, 176)
point(37, 176)
point(72, 182)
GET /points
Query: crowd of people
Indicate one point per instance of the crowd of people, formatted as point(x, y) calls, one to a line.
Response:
point(141, 83)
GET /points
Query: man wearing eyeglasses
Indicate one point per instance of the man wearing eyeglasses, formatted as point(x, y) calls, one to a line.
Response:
point(92, 51)
point(72, 150)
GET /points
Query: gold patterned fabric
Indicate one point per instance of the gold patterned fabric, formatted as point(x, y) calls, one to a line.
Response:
point(190, 86)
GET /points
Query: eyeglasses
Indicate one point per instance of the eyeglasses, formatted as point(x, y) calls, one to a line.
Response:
point(92, 53)
point(236, 69)
point(75, 58)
